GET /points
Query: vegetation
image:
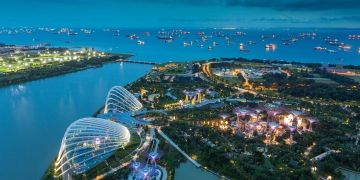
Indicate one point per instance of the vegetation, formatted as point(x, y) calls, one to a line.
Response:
point(333, 99)
point(171, 158)
point(54, 69)
point(298, 85)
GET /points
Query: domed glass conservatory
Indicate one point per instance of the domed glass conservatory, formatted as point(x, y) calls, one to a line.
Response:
point(121, 100)
point(89, 141)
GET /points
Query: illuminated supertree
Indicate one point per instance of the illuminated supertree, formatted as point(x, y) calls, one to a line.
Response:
point(251, 128)
point(199, 95)
point(273, 126)
point(186, 96)
point(199, 90)
point(193, 97)
point(190, 96)
point(296, 113)
point(153, 155)
point(258, 111)
point(311, 121)
point(240, 112)
point(135, 165)
point(292, 129)
point(146, 171)
point(272, 113)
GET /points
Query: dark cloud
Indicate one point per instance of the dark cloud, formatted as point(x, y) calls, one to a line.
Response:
point(277, 19)
point(281, 20)
point(287, 19)
point(297, 4)
point(274, 4)
point(203, 19)
point(342, 18)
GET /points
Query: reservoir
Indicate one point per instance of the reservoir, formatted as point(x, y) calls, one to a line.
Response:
point(35, 115)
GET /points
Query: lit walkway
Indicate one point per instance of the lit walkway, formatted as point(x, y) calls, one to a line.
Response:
point(323, 155)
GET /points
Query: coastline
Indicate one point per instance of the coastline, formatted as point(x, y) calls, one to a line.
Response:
point(37, 74)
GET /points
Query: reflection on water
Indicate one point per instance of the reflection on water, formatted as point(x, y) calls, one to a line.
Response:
point(189, 171)
point(35, 115)
point(17, 90)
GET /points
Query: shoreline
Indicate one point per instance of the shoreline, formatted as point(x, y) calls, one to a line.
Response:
point(5, 81)
point(23, 77)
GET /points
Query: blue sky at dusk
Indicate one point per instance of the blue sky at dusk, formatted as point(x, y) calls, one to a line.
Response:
point(181, 13)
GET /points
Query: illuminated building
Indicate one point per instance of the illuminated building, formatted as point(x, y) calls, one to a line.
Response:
point(193, 97)
point(89, 141)
point(121, 100)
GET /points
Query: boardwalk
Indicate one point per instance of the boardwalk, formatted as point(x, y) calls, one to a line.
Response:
point(178, 148)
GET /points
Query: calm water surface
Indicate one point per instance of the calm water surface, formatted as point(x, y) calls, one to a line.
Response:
point(188, 171)
point(159, 51)
point(35, 115)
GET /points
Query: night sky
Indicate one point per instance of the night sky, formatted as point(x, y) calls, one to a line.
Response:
point(180, 13)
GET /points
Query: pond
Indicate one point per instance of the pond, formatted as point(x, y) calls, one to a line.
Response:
point(188, 171)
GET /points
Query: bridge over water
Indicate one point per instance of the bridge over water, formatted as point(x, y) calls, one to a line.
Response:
point(138, 62)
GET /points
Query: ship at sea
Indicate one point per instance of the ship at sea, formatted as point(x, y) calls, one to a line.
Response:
point(165, 37)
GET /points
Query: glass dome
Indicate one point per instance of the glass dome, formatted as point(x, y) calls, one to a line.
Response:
point(89, 141)
point(121, 100)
